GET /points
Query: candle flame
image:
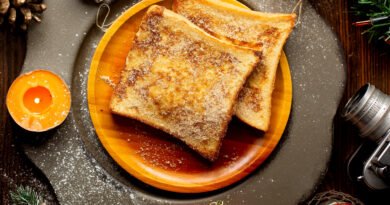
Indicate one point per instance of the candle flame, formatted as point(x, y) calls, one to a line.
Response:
point(37, 100)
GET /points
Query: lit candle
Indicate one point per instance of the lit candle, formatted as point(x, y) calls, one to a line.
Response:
point(38, 101)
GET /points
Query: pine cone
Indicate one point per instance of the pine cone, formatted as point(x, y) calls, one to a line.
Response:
point(19, 13)
point(103, 1)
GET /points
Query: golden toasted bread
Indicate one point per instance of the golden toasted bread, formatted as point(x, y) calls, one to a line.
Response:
point(182, 80)
point(265, 32)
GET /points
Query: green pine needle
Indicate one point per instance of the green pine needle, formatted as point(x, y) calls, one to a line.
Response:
point(25, 196)
point(367, 9)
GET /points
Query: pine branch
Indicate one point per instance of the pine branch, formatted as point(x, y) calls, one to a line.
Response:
point(374, 9)
point(26, 196)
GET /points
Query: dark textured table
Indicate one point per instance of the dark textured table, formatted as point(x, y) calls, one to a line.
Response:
point(365, 63)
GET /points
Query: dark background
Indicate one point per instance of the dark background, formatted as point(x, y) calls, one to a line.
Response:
point(366, 62)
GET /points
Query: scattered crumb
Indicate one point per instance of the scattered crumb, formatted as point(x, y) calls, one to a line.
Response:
point(108, 80)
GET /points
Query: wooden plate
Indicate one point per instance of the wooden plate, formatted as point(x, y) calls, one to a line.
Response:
point(153, 156)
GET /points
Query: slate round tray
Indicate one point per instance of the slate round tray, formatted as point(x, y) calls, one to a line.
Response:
point(80, 170)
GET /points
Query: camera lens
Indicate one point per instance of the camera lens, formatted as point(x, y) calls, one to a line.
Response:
point(368, 110)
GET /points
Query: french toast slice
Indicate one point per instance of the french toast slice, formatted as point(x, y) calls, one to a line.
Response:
point(182, 80)
point(265, 32)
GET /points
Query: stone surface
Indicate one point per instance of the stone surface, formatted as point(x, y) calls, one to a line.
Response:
point(80, 170)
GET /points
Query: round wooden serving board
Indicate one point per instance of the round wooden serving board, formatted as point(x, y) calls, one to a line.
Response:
point(153, 156)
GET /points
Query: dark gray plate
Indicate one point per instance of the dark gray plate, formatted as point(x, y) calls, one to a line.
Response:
point(80, 170)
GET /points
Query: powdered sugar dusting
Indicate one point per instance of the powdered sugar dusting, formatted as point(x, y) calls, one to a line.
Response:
point(75, 172)
point(108, 81)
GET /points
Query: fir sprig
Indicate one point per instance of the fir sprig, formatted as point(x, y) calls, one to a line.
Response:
point(375, 9)
point(26, 196)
